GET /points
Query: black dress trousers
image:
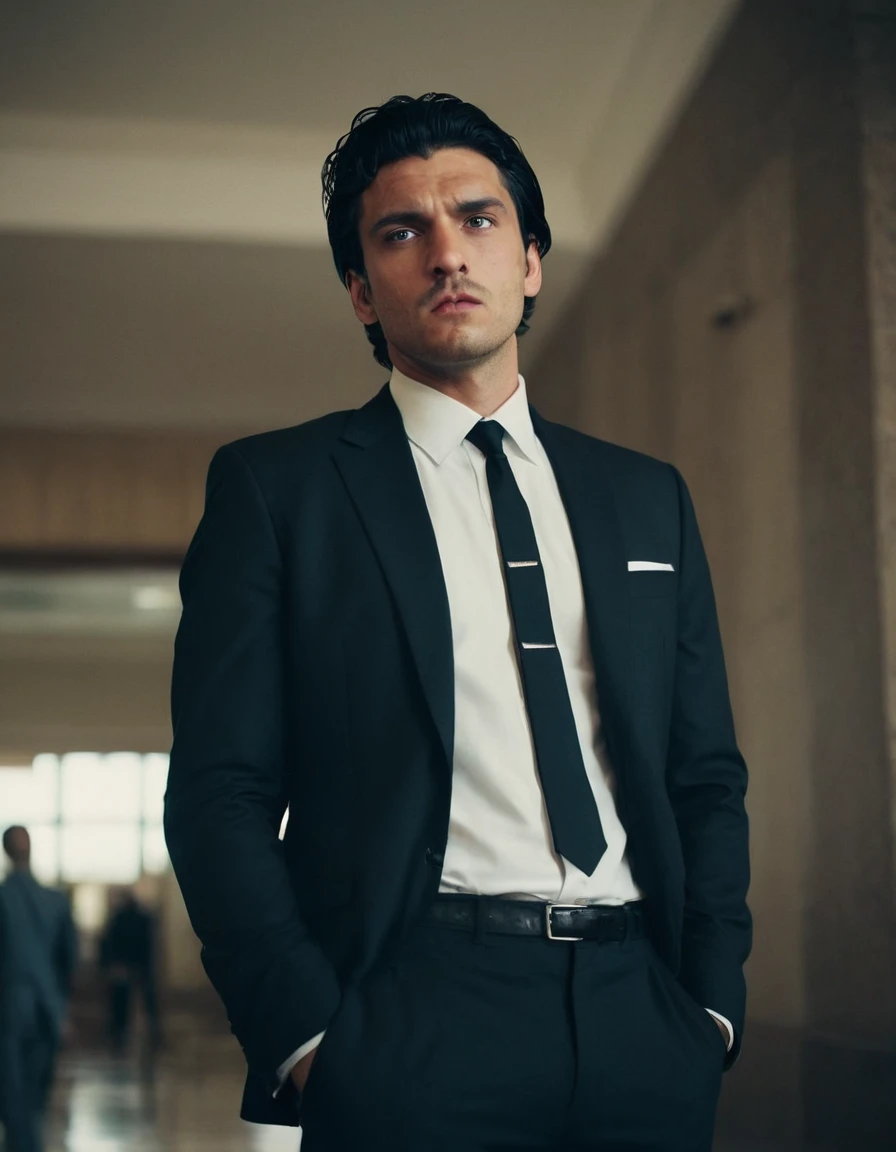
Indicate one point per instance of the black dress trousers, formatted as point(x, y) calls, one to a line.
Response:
point(467, 1042)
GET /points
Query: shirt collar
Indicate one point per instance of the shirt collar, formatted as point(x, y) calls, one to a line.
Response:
point(438, 424)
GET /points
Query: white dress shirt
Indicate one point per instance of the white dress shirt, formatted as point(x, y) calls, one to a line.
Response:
point(499, 838)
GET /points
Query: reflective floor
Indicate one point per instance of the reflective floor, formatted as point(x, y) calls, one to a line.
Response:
point(187, 1102)
point(185, 1098)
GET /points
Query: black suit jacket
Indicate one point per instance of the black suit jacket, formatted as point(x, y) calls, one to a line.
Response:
point(314, 668)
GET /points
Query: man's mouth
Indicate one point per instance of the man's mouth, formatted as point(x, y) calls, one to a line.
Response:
point(456, 302)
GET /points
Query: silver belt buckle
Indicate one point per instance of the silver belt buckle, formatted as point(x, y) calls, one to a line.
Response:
point(562, 939)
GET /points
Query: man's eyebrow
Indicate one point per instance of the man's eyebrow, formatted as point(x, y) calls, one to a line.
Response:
point(471, 207)
point(407, 216)
point(462, 208)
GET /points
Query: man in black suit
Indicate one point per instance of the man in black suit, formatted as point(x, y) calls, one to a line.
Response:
point(38, 952)
point(477, 656)
point(127, 955)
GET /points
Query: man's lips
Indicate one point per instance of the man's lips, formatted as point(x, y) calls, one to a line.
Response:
point(459, 303)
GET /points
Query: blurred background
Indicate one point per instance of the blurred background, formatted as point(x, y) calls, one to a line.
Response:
point(721, 182)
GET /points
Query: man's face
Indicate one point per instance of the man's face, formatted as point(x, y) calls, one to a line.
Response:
point(446, 268)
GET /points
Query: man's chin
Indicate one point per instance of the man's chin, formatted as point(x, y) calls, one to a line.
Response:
point(460, 353)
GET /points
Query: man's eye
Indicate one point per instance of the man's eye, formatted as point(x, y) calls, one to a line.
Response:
point(399, 234)
point(480, 223)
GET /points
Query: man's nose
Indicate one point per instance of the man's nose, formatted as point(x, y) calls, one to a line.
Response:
point(446, 253)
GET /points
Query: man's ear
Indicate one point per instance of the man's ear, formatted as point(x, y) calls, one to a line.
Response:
point(362, 301)
point(533, 269)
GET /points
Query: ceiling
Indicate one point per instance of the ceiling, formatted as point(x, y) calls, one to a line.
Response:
point(163, 256)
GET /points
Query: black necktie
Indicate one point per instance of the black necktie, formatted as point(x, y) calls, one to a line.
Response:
point(572, 811)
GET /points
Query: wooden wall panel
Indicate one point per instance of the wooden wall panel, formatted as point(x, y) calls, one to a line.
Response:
point(109, 492)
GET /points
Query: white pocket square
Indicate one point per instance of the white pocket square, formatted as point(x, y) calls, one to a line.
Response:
point(648, 566)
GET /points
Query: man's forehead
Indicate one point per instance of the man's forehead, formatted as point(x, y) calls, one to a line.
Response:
point(457, 172)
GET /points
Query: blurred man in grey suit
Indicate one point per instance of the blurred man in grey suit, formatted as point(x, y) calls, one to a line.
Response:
point(38, 950)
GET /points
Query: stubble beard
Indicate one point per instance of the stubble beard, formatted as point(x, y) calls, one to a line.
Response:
point(467, 349)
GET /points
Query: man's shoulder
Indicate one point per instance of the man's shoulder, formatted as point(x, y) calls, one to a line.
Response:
point(19, 881)
point(43, 891)
point(291, 443)
point(619, 462)
point(282, 458)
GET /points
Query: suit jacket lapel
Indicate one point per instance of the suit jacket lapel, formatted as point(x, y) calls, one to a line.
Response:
point(590, 504)
point(375, 461)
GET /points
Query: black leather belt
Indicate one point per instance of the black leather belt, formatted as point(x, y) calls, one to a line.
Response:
point(601, 923)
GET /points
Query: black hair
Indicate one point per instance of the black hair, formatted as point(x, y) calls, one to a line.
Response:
point(408, 126)
point(14, 833)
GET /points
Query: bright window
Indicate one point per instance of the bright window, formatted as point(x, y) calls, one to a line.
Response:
point(155, 854)
point(44, 852)
point(99, 788)
point(100, 852)
point(93, 817)
point(155, 778)
point(30, 793)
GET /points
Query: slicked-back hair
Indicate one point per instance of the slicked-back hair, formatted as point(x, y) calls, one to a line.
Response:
point(418, 126)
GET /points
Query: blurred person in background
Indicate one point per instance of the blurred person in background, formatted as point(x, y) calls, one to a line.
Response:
point(127, 955)
point(477, 655)
point(38, 953)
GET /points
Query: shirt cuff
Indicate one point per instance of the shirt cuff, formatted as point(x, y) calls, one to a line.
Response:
point(290, 1062)
point(729, 1028)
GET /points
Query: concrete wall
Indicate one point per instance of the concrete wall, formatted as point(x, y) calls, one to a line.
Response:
point(876, 58)
point(741, 325)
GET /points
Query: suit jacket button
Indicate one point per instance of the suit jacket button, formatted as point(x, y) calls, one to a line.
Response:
point(434, 858)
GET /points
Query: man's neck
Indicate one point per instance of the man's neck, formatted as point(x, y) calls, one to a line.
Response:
point(483, 387)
